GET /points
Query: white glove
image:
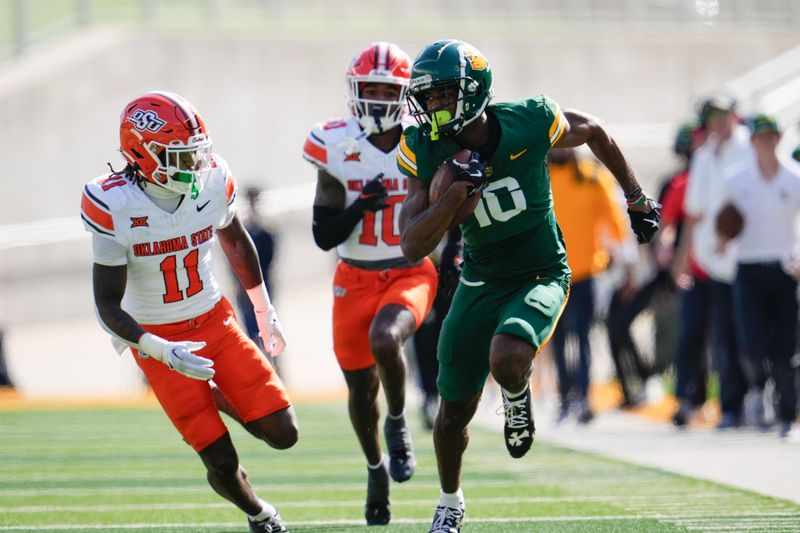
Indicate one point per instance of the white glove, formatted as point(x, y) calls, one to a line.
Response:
point(270, 331)
point(178, 356)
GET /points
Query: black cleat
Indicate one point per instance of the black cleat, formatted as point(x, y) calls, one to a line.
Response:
point(271, 524)
point(583, 412)
point(447, 519)
point(402, 462)
point(519, 429)
point(377, 510)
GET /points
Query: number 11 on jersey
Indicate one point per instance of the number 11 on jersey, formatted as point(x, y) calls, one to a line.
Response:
point(172, 292)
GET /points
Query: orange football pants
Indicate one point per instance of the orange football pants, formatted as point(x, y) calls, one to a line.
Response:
point(359, 294)
point(243, 375)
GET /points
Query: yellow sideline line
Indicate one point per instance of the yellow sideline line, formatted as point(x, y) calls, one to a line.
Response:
point(11, 400)
point(608, 396)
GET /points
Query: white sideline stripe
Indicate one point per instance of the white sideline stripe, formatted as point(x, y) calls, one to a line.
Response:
point(343, 522)
point(321, 504)
point(272, 202)
point(347, 522)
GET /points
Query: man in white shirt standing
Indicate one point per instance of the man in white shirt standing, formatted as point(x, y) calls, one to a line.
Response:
point(727, 145)
point(766, 192)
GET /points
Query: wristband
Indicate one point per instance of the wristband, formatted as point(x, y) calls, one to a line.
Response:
point(637, 201)
point(634, 193)
point(259, 297)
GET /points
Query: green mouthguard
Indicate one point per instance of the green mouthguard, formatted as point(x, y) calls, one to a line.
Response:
point(439, 117)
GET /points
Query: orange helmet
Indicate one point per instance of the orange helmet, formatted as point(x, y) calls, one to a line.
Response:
point(380, 62)
point(163, 137)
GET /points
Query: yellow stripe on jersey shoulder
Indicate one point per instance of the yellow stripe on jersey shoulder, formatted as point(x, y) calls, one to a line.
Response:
point(403, 163)
point(407, 151)
point(558, 126)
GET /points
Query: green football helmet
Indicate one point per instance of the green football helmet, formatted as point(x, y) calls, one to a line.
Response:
point(463, 73)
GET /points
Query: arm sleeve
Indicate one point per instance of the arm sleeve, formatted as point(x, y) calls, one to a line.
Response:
point(108, 252)
point(332, 227)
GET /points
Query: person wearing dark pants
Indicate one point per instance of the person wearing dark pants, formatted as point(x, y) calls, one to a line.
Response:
point(591, 219)
point(761, 213)
point(727, 356)
point(726, 148)
point(766, 306)
point(632, 370)
point(577, 318)
point(691, 366)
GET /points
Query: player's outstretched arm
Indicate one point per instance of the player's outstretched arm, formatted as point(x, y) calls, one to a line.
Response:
point(243, 258)
point(109, 287)
point(585, 129)
point(422, 226)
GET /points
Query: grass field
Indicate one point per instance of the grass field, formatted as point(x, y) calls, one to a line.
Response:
point(111, 469)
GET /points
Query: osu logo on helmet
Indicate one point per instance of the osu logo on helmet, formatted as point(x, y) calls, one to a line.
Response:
point(164, 139)
point(146, 120)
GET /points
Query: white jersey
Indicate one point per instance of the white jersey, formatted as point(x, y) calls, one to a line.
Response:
point(170, 274)
point(339, 148)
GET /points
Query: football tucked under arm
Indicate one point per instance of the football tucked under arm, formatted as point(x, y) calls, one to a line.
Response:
point(444, 177)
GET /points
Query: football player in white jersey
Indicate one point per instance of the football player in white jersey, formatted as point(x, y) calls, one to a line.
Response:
point(153, 225)
point(380, 299)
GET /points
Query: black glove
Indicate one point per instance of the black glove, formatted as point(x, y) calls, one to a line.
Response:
point(474, 171)
point(373, 195)
point(645, 225)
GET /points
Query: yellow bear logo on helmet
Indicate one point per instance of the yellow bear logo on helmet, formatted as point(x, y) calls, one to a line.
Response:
point(475, 58)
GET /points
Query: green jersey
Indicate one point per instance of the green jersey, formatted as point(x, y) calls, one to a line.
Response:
point(512, 235)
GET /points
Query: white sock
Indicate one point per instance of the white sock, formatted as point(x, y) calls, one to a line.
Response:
point(512, 395)
point(375, 466)
point(390, 416)
point(267, 510)
point(455, 499)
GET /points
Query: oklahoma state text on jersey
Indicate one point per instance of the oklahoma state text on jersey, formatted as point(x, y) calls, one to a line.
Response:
point(338, 148)
point(170, 275)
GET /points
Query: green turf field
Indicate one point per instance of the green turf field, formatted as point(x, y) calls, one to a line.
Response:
point(126, 470)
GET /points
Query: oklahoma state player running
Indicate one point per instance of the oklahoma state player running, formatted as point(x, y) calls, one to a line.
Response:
point(153, 226)
point(379, 298)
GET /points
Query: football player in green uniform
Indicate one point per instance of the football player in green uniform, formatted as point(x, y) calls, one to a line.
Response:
point(515, 278)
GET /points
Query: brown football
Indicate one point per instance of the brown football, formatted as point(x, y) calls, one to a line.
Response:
point(442, 179)
point(729, 221)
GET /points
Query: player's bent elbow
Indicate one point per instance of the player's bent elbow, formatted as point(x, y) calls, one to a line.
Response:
point(411, 252)
point(324, 243)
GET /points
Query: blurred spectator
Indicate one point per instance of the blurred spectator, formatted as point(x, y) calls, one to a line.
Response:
point(727, 145)
point(693, 284)
point(766, 195)
point(587, 212)
point(5, 379)
point(632, 369)
point(264, 241)
point(796, 154)
point(426, 337)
